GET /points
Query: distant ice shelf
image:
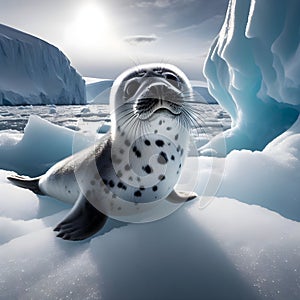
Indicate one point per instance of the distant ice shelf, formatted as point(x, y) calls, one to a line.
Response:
point(33, 71)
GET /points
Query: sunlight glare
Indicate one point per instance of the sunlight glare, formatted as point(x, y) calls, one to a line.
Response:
point(91, 29)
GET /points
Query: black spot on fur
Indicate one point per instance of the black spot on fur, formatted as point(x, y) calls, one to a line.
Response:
point(176, 137)
point(159, 143)
point(147, 143)
point(119, 174)
point(181, 152)
point(111, 184)
point(148, 169)
point(127, 143)
point(169, 128)
point(121, 151)
point(136, 151)
point(160, 122)
point(161, 177)
point(178, 148)
point(154, 188)
point(172, 157)
point(162, 158)
point(93, 182)
point(142, 188)
point(122, 186)
point(137, 194)
point(127, 167)
point(155, 131)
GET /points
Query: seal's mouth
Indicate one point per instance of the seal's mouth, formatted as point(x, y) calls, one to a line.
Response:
point(147, 107)
point(158, 97)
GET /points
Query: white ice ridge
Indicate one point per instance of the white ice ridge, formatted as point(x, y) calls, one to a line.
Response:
point(253, 70)
point(35, 72)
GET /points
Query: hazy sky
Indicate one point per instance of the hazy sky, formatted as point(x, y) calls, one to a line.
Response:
point(102, 38)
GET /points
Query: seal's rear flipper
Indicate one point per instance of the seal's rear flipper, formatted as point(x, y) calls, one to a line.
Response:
point(26, 183)
point(181, 196)
point(82, 221)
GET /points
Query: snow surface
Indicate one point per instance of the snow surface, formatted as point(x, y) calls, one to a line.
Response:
point(215, 247)
point(253, 70)
point(35, 72)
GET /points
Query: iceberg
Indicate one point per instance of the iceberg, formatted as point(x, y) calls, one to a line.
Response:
point(98, 92)
point(35, 72)
point(253, 70)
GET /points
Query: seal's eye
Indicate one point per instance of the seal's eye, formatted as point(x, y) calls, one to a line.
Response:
point(173, 79)
point(131, 88)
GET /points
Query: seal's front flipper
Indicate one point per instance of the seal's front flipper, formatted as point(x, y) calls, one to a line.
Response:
point(26, 183)
point(81, 222)
point(181, 196)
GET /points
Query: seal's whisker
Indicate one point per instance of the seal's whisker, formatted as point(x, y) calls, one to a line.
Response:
point(192, 112)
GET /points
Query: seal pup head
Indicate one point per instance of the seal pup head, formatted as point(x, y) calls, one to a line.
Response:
point(144, 92)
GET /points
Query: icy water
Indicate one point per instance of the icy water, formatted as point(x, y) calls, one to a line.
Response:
point(212, 118)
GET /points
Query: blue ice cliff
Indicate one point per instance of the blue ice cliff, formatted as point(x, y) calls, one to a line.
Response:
point(253, 70)
point(35, 72)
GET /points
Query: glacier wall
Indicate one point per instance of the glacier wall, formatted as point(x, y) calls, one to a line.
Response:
point(253, 70)
point(35, 72)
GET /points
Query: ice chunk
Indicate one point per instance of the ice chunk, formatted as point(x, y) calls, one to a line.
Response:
point(42, 145)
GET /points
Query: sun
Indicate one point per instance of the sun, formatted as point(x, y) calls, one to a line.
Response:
point(90, 28)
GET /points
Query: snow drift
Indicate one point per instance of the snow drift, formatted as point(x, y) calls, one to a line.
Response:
point(35, 72)
point(253, 70)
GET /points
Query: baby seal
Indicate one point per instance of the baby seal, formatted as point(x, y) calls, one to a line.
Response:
point(131, 172)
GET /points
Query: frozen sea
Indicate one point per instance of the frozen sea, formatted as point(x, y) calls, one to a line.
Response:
point(86, 118)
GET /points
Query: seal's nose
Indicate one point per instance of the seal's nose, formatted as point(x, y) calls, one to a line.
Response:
point(158, 90)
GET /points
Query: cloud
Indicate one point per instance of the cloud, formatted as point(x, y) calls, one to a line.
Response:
point(157, 3)
point(140, 39)
point(160, 3)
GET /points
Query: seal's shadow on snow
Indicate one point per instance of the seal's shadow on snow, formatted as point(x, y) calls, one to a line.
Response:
point(172, 258)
